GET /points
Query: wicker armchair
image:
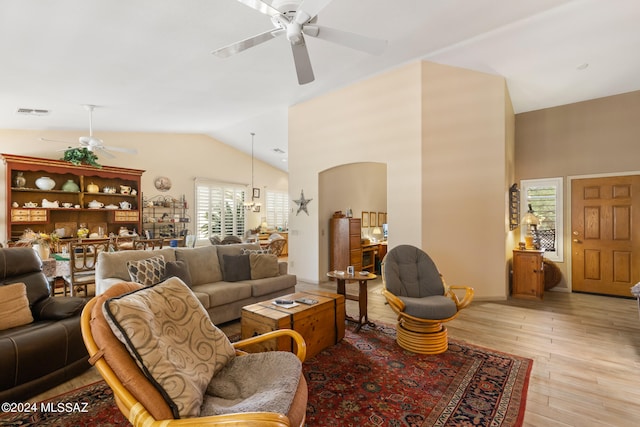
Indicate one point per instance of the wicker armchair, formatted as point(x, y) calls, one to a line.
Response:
point(417, 293)
point(141, 402)
point(276, 246)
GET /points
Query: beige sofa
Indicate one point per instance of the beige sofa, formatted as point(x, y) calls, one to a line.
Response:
point(223, 300)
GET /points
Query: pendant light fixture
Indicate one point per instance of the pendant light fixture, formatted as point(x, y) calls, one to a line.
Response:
point(255, 192)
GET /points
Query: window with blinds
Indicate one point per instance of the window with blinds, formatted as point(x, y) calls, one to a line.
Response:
point(277, 209)
point(546, 200)
point(219, 210)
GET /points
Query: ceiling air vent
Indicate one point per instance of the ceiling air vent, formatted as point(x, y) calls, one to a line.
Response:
point(33, 111)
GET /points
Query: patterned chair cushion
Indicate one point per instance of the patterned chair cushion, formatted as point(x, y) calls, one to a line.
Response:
point(171, 337)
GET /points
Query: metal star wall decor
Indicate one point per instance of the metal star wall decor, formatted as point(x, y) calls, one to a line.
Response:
point(302, 203)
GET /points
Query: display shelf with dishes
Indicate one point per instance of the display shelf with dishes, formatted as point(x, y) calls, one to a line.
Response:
point(43, 192)
point(165, 217)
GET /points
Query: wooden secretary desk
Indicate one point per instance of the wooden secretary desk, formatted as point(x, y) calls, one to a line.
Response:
point(24, 199)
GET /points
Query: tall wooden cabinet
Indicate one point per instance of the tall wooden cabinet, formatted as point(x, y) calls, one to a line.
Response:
point(528, 274)
point(112, 209)
point(345, 244)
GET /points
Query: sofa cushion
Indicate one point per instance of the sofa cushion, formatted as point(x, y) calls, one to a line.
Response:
point(236, 268)
point(221, 293)
point(147, 271)
point(179, 269)
point(204, 266)
point(263, 265)
point(260, 287)
point(114, 264)
point(233, 250)
point(169, 333)
point(14, 306)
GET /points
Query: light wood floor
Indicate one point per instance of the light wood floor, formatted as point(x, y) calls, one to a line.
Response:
point(586, 352)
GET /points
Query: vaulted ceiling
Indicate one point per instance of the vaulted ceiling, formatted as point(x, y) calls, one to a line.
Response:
point(147, 64)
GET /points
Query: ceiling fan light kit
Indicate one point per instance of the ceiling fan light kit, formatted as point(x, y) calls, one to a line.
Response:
point(297, 19)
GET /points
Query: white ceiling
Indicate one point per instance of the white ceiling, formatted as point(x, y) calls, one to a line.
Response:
point(147, 64)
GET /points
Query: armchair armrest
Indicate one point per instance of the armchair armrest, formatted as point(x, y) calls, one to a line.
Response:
point(58, 308)
point(301, 345)
point(395, 303)
point(466, 300)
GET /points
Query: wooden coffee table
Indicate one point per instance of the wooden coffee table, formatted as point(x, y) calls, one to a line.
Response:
point(321, 324)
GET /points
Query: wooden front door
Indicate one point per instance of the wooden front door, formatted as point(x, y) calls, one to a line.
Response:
point(605, 244)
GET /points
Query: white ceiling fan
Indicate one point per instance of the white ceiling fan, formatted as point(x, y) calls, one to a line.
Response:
point(92, 143)
point(295, 19)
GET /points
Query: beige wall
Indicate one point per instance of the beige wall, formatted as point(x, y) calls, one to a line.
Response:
point(376, 120)
point(593, 137)
point(441, 132)
point(357, 186)
point(464, 176)
point(181, 157)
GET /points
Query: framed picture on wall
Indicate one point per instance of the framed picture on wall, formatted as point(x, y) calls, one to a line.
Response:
point(382, 218)
point(372, 219)
point(256, 193)
point(365, 219)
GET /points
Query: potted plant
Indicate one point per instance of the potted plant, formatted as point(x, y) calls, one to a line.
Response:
point(81, 155)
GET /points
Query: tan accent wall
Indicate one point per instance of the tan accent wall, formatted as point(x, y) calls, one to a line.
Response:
point(595, 137)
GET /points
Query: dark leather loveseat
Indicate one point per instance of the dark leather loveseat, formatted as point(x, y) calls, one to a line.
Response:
point(49, 351)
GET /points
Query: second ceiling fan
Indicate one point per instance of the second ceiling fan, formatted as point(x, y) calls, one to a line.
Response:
point(295, 19)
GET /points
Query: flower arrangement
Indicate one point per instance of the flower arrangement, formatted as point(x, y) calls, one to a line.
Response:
point(42, 239)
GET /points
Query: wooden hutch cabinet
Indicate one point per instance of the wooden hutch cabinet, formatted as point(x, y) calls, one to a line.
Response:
point(345, 244)
point(112, 210)
point(528, 274)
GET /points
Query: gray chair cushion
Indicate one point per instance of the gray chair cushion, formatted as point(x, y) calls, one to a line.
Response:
point(435, 307)
point(409, 272)
point(256, 382)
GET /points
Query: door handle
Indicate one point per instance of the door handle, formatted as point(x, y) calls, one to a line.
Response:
point(576, 241)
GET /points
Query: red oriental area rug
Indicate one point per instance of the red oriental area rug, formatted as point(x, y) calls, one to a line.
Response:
point(365, 380)
point(368, 380)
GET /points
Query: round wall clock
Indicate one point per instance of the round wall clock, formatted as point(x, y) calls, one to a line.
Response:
point(162, 183)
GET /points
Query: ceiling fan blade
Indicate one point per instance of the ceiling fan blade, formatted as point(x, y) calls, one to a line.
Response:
point(232, 49)
point(309, 9)
point(119, 149)
point(56, 140)
point(261, 7)
point(346, 38)
point(302, 62)
point(90, 141)
point(101, 149)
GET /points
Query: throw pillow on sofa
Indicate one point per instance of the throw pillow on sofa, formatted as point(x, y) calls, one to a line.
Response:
point(246, 251)
point(236, 268)
point(147, 271)
point(179, 269)
point(263, 265)
point(14, 306)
